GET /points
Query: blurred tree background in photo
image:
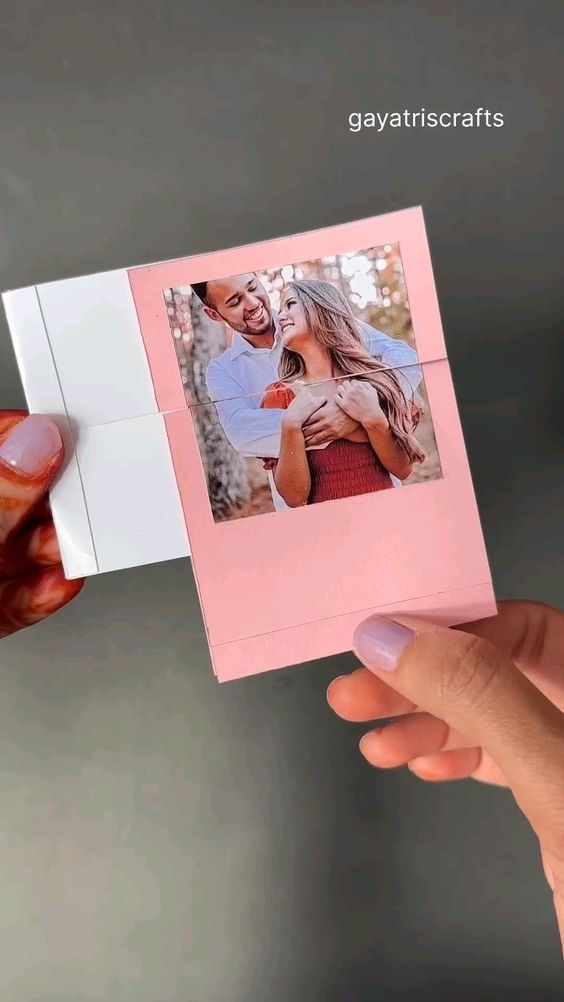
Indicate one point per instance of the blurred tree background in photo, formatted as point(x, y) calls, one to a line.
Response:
point(373, 283)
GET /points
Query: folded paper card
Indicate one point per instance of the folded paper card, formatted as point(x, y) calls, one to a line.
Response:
point(282, 411)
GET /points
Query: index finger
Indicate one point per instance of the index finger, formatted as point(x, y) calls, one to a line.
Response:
point(31, 454)
point(315, 422)
point(478, 691)
point(362, 696)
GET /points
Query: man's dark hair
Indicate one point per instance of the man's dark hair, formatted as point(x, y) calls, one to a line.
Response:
point(200, 289)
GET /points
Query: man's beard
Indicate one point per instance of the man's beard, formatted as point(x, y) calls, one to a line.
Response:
point(256, 329)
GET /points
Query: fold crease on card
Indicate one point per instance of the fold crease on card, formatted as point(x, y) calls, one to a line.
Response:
point(170, 382)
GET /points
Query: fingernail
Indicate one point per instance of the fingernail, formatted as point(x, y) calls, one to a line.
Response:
point(31, 444)
point(331, 684)
point(379, 642)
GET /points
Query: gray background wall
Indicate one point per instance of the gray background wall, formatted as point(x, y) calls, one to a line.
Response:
point(165, 838)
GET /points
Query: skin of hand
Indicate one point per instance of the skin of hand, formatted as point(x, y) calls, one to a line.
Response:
point(302, 407)
point(292, 474)
point(484, 700)
point(330, 423)
point(359, 399)
point(32, 583)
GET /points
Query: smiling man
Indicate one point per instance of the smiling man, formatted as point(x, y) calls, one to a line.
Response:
point(236, 379)
point(242, 302)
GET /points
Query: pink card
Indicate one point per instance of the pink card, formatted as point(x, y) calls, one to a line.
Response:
point(315, 440)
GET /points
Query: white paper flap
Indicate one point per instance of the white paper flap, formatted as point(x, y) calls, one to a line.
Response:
point(97, 347)
point(133, 500)
point(82, 361)
point(43, 394)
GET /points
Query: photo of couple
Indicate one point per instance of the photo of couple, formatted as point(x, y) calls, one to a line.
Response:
point(298, 396)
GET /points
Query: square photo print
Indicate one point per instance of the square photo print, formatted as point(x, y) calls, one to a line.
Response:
point(304, 382)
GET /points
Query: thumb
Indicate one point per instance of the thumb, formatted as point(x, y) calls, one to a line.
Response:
point(477, 690)
point(31, 454)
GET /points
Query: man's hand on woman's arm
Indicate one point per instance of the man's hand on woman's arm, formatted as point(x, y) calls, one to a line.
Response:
point(32, 583)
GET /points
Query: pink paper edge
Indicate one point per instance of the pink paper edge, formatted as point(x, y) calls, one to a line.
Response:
point(312, 641)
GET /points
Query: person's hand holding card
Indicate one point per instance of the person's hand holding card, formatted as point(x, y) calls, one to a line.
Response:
point(32, 583)
point(484, 701)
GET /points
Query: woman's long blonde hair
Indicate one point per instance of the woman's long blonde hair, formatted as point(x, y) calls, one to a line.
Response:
point(331, 322)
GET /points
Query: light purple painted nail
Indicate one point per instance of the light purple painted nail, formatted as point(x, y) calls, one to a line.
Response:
point(379, 642)
point(31, 445)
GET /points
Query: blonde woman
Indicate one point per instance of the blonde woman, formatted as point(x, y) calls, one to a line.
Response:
point(323, 357)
